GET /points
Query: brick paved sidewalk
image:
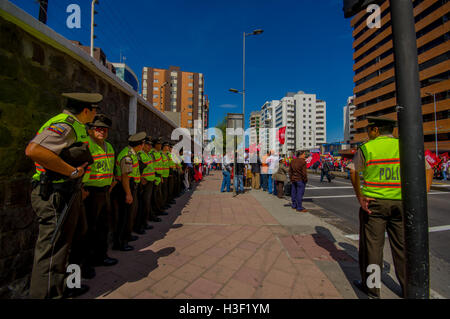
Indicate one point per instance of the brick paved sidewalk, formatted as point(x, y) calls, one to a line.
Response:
point(214, 245)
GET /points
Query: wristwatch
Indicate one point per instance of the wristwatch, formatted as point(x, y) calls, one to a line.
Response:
point(74, 174)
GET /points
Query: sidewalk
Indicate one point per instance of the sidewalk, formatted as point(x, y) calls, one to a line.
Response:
point(214, 245)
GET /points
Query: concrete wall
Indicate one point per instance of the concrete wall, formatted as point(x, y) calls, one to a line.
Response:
point(36, 66)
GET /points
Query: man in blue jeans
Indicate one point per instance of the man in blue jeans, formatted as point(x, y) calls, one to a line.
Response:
point(299, 178)
point(226, 172)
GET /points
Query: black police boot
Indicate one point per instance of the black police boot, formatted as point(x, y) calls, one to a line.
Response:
point(107, 261)
point(133, 238)
point(148, 227)
point(155, 219)
point(139, 232)
point(162, 214)
point(126, 248)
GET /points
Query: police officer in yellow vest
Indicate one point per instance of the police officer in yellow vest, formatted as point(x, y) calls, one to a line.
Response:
point(148, 178)
point(127, 172)
point(171, 176)
point(98, 183)
point(381, 201)
point(157, 198)
point(51, 195)
point(165, 176)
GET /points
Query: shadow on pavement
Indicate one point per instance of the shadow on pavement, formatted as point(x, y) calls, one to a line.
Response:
point(349, 271)
point(138, 264)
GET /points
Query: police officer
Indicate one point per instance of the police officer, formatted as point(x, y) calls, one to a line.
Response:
point(171, 177)
point(98, 183)
point(147, 183)
point(381, 201)
point(127, 172)
point(53, 188)
point(165, 175)
point(157, 198)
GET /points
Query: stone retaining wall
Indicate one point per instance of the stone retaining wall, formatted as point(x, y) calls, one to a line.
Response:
point(33, 74)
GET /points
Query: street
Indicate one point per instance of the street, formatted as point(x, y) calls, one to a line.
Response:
point(338, 199)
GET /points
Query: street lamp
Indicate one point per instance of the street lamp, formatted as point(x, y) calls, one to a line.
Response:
point(255, 32)
point(435, 120)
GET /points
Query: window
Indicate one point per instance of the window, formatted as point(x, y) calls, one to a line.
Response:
point(155, 88)
point(190, 76)
point(190, 106)
point(189, 99)
point(174, 74)
point(190, 84)
point(189, 121)
point(155, 104)
point(155, 81)
point(190, 114)
point(145, 96)
point(155, 96)
point(156, 73)
point(190, 91)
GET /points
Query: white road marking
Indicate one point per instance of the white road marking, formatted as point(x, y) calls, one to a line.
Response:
point(342, 196)
point(337, 187)
point(430, 230)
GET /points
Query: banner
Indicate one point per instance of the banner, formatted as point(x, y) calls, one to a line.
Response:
point(431, 158)
point(282, 135)
point(315, 157)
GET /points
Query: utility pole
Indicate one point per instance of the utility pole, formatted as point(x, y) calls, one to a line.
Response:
point(93, 12)
point(43, 5)
point(412, 159)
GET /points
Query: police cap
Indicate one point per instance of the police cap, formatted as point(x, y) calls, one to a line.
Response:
point(380, 122)
point(148, 140)
point(138, 137)
point(77, 101)
point(166, 143)
point(101, 120)
point(157, 140)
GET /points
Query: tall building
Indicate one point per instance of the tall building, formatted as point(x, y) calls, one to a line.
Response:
point(375, 72)
point(176, 91)
point(255, 124)
point(349, 121)
point(127, 75)
point(304, 117)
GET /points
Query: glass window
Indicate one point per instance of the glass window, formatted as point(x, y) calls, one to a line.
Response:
point(155, 81)
point(155, 88)
point(155, 96)
point(156, 73)
point(190, 84)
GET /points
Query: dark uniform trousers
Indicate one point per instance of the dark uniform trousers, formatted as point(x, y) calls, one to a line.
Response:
point(50, 261)
point(126, 215)
point(387, 215)
point(165, 190)
point(98, 211)
point(171, 186)
point(156, 199)
point(145, 205)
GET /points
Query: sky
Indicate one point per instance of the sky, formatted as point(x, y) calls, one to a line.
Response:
point(306, 46)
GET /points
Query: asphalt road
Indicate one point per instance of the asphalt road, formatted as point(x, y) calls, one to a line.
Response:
point(338, 199)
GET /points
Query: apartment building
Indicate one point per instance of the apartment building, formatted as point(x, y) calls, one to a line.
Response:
point(175, 91)
point(375, 71)
point(349, 120)
point(255, 124)
point(304, 117)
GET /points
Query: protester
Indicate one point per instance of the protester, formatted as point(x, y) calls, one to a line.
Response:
point(226, 172)
point(256, 171)
point(280, 178)
point(299, 178)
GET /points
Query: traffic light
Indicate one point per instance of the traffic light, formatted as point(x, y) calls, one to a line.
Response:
point(352, 7)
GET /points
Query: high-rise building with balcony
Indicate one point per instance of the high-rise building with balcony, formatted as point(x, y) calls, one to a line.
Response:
point(304, 117)
point(375, 70)
point(173, 91)
point(255, 124)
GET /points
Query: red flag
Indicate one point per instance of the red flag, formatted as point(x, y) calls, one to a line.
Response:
point(282, 135)
point(431, 158)
point(445, 156)
point(315, 157)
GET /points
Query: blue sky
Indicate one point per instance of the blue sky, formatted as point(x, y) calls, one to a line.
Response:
point(306, 45)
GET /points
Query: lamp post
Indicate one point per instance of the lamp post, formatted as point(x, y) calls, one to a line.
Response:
point(435, 121)
point(93, 12)
point(255, 32)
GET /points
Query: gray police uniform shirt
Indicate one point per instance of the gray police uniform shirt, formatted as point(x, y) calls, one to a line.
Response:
point(126, 164)
point(57, 142)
